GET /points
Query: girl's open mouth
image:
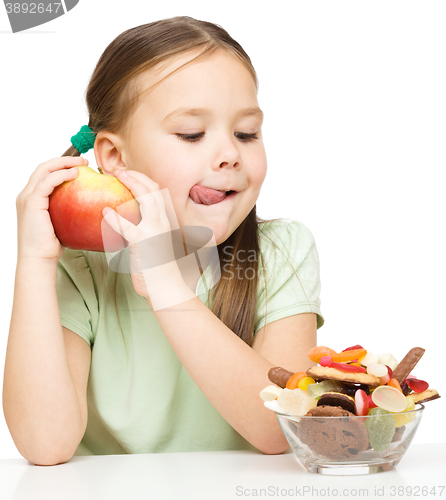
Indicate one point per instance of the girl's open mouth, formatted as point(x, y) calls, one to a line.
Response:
point(202, 195)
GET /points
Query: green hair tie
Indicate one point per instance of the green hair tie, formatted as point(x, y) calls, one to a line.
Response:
point(84, 139)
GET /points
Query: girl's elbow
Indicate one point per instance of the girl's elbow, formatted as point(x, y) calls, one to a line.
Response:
point(275, 446)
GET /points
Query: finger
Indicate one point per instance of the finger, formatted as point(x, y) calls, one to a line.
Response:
point(119, 224)
point(59, 163)
point(144, 190)
point(46, 186)
point(137, 184)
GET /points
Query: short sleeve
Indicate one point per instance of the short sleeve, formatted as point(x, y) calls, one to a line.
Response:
point(78, 304)
point(289, 278)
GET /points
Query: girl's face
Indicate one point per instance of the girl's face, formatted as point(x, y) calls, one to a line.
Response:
point(202, 125)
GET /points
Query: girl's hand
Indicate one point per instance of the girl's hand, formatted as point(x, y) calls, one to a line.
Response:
point(150, 242)
point(35, 233)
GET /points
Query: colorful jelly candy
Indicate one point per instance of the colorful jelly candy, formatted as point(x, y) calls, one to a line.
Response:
point(305, 382)
point(350, 355)
point(348, 368)
point(389, 360)
point(393, 382)
point(377, 369)
point(404, 418)
point(381, 428)
point(361, 403)
point(416, 385)
point(369, 358)
point(371, 403)
point(326, 361)
point(293, 381)
point(315, 390)
point(352, 348)
point(317, 352)
point(389, 398)
point(387, 376)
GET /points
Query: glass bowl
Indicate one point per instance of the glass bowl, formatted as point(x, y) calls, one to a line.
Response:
point(346, 445)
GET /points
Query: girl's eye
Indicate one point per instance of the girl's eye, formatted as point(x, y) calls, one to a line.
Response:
point(191, 137)
point(244, 137)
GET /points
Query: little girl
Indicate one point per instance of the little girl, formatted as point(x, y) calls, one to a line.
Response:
point(92, 368)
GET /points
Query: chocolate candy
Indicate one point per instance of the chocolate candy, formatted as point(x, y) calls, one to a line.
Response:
point(338, 399)
point(279, 376)
point(407, 364)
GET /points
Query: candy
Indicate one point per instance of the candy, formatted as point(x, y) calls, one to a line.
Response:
point(305, 382)
point(377, 369)
point(348, 368)
point(296, 402)
point(387, 376)
point(351, 389)
point(393, 382)
point(326, 361)
point(293, 381)
point(279, 376)
point(361, 403)
point(316, 353)
point(338, 399)
point(407, 364)
point(353, 348)
point(349, 355)
point(389, 398)
point(371, 403)
point(316, 390)
point(417, 385)
point(270, 393)
point(389, 360)
point(400, 418)
point(369, 358)
point(381, 426)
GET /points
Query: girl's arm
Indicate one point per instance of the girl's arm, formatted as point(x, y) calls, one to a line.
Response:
point(229, 372)
point(40, 401)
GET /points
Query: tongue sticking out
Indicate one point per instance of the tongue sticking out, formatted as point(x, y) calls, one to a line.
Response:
point(206, 196)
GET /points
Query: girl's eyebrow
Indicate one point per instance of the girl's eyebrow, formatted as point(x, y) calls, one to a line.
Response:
point(254, 111)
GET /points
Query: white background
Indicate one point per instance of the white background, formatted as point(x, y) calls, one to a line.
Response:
point(355, 125)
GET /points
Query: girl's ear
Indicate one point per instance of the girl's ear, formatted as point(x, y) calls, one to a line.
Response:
point(108, 152)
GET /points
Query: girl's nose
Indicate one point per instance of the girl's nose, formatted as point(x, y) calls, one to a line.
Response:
point(227, 153)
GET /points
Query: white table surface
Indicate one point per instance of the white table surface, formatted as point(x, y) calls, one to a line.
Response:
point(217, 475)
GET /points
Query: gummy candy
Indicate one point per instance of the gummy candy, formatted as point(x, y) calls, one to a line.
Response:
point(349, 355)
point(403, 419)
point(326, 361)
point(393, 382)
point(389, 360)
point(369, 358)
point(387, 376)
point(416, 385)
point(361, 403)
point(305, 382)
point(389, 398)
point(381, 426)
point(377, 369)
point(348, 368)
point(316, 353)
point(352, 348)
point(371, 403)
point(315, 390)
point(294, 380)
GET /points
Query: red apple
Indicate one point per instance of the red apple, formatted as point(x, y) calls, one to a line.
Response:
point(75, 208)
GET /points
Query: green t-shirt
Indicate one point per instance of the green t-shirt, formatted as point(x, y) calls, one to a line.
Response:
point(142, 400)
